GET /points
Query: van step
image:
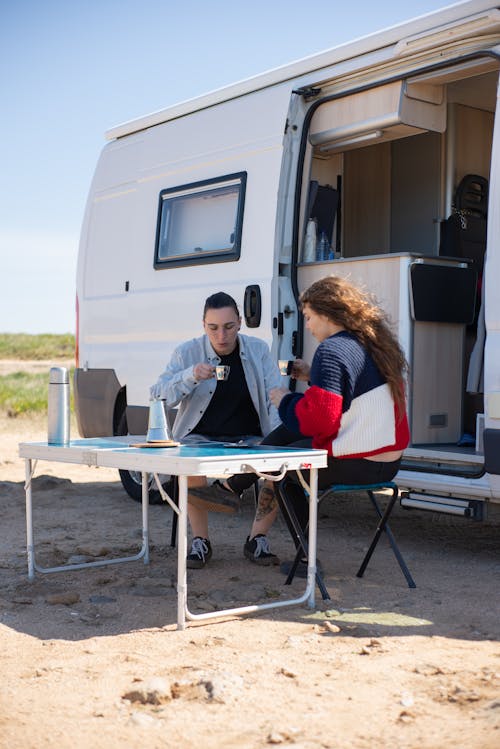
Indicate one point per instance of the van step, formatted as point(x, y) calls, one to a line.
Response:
point(468, 508)
point(459, 463)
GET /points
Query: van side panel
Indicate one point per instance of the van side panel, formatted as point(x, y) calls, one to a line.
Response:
point(131, 315)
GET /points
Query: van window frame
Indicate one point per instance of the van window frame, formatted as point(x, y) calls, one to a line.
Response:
point(194, 189)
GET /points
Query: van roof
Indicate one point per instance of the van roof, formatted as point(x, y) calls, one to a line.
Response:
point(294, 70)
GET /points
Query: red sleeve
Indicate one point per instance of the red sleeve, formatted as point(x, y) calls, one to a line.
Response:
point(319, 413)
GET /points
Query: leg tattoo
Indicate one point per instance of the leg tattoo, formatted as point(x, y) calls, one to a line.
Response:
point(266, 503)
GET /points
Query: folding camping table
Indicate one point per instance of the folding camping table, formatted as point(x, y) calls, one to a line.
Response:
point(207, 459)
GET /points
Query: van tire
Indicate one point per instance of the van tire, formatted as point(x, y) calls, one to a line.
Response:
point(132, 480)
point(132, 483)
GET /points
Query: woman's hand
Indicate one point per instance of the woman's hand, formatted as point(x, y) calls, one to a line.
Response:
point(301, 370)
point(276, 395)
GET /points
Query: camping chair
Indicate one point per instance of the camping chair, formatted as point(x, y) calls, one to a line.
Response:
point(299, 535)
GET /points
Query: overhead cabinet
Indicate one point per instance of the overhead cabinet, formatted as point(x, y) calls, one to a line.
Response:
point(395, 110)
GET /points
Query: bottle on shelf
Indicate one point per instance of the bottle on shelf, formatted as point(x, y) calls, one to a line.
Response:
point(309, 255)
point(322, 248)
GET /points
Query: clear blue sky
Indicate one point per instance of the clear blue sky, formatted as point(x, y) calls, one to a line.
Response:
point(71, 69)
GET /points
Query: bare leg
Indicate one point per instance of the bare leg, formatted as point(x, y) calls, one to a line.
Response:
point(267, 509)
point(198, 518)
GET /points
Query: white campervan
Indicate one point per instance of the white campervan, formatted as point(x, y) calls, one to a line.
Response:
point(380, 160)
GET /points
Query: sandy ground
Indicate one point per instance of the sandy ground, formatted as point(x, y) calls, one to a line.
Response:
point(92, 658)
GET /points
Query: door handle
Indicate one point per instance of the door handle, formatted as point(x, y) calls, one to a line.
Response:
point(252, 306)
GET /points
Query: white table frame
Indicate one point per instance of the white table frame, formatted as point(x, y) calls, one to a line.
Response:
point(183, 461)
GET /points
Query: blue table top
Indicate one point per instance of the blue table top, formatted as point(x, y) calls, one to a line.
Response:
point(193, 449)
point(202, 458)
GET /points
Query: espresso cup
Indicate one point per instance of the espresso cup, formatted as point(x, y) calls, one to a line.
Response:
point(285, 366)
point(222, 372)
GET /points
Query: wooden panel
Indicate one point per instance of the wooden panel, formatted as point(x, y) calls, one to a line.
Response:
point(474, 133)
point(366, 202)
point(436, 383)
point(385, 108)
point(326, 170)
point(356, 108)
point(415, 193)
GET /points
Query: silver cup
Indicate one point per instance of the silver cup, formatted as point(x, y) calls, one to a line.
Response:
point(158, 429)
point(222, 372)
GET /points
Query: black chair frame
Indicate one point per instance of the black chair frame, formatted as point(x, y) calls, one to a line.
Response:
point(300, 540)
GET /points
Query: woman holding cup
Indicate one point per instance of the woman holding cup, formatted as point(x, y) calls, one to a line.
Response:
point(354, 406)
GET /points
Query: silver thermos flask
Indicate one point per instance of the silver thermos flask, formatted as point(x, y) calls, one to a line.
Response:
point(58, 407)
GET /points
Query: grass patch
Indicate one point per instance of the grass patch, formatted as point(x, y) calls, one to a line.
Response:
point(24, 392)
point(35, 347)
point(27, 392)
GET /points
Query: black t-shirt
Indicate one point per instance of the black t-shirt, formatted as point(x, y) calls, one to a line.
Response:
point(231, 411)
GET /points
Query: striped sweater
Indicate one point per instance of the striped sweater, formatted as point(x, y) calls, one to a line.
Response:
point(349, 409)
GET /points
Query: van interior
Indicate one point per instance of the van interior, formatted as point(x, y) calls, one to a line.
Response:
point(394, 190)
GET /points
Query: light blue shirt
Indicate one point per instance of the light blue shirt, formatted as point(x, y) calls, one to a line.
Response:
point(177, 384)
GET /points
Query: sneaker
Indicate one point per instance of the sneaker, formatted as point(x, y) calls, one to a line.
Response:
point(258, 551)
point(214, 497)
point(301, 570)
point(200, 554)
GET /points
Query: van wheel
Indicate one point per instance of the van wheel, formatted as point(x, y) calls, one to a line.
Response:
point(132, 480)
point(132, 483)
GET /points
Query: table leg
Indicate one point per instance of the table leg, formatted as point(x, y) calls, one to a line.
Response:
point(313, 534)
point(30, 534)
point(145, 518)
point(181, 554)
point(308, 595)
point(30, 546)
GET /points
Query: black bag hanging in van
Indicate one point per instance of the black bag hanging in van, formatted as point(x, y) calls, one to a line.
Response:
point(323, 201)
point(463, 234)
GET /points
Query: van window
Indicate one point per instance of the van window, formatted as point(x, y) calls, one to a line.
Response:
point(200, 222)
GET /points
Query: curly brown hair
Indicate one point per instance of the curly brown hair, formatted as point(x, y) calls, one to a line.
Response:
point(359, 313)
